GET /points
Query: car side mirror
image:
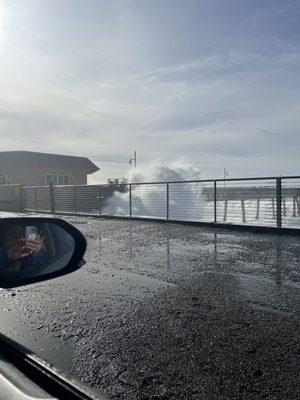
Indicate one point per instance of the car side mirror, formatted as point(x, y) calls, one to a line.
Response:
point(37, 249)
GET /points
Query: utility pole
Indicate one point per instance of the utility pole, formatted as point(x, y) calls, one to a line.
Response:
point(133, 160)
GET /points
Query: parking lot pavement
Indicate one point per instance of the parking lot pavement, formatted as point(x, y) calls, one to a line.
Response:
point(170, 312)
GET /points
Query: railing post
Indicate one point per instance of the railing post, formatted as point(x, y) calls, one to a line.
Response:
point(215, 202)
point(35, 199)
point(278, 202)
point(22, 198)
point(168, 203)
point(52, 201)
point(99, 198)
point(75, 198)
point(130, 201)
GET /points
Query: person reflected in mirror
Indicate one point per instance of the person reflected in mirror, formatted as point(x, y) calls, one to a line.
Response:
point(18, 254)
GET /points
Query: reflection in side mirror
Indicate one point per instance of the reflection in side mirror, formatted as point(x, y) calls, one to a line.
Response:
point(35, 249)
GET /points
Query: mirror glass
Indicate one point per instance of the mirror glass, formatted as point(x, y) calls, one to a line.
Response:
point(30, 249)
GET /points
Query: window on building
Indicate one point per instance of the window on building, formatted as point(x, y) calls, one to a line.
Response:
point(4, 180)
point(56, 178)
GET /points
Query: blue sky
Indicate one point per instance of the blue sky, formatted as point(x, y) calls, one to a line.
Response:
point(216, 83)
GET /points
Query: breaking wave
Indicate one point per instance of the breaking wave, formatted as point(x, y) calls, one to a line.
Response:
point(185, 200)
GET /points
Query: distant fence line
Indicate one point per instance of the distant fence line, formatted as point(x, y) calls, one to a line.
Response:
point(271, 201)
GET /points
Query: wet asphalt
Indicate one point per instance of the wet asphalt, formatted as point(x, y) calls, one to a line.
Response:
point(167, 311)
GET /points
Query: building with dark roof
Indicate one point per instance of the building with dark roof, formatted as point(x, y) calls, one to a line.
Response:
point(32, 168)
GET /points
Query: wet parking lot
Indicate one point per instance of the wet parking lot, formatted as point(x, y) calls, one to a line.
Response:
point(169, 311)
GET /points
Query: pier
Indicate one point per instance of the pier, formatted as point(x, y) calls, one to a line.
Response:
point(257, 194)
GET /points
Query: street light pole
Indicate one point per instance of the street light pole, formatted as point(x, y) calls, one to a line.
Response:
point(133, 160)
point(225, 174)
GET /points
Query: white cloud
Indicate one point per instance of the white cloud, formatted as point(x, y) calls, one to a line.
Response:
point(102, 91)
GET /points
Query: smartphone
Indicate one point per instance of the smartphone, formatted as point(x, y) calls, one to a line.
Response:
point(31, 232)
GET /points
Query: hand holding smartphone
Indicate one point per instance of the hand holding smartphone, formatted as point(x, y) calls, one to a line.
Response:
point(34, 241)
point(31, 233)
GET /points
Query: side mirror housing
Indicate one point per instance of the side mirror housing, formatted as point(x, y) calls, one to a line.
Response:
point(37, 249)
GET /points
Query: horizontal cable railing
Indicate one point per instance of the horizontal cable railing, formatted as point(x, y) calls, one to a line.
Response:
point(271, 201)
point(250, 202)
point(149, 201)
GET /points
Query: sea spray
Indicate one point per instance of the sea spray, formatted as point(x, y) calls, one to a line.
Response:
point(185, 200)
point(188, 201)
